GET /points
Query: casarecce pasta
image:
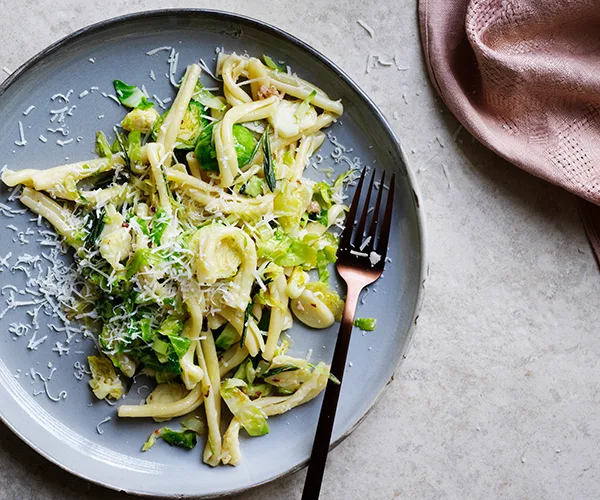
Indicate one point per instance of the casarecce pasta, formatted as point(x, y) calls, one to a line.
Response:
point(195, 233)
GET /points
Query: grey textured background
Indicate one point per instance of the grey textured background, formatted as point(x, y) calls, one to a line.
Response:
point(499, 394)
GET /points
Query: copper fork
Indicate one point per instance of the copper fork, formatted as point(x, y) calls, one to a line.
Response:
point(360, 262)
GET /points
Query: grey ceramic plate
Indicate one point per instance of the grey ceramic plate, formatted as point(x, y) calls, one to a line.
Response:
point(65, 431)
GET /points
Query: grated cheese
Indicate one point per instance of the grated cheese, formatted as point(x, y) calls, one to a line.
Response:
point(159, 101)
point(173, 60)
point(365, 243)
point(64, 97)
point(374, 257)
point(157, 49)
point(60, 348)
point(59, 130)
point(29, 110)
point(367, 28)
point(21, 141)
point(111, 96)
point(98, 430)
point(208, 71)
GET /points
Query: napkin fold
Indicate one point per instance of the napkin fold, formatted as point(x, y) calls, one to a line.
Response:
point(523, 76)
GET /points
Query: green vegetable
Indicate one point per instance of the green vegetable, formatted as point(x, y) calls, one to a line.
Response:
point(322, 262)
point(104, 380)
point(131, 96)
point(243, 141)
point(139, 259)
point(342, 179)
point(280, 369)
point(367, 324)
point(94, 229)
point(322, 194)
point(141, 120)
point(161, 348)
point(170, 326)
point(250, 416)
point(291, 202)
point(145, 330)
point(268, 166)
point(226, 338)
point(247, 314)
point(285, 392)
point(134, 146)
point(121, 143)
point(160, 222)
point(183, 439)
point(253, 188)
point(305, 106)
point(150, 359)
point(102, 146)
point(206, 98)
point(192, 125)
point(329, 297)
point(259, 390)
point(194, 422)
point(286, 251)
point(180, 344)
point(246, 372)
point(272, 64)
point(288, 158)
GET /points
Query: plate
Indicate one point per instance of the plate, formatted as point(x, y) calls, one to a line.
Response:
point(44, 395)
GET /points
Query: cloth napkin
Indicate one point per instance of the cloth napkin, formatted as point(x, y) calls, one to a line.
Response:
point(523, 76)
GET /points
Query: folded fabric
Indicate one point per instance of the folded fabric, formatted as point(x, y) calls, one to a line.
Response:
point(523, 76)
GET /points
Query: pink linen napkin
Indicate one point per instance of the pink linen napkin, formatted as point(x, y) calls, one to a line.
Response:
point(523, 76)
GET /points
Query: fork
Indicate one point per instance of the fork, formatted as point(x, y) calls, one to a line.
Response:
point(358, 266)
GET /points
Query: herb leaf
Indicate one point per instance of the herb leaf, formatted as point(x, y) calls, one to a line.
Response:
point(268, 163)
point(280, 369)
point(96, 225)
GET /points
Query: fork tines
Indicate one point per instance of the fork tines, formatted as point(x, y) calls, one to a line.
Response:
point(371, 234)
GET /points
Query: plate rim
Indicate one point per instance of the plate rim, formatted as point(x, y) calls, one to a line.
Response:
point(421, 224)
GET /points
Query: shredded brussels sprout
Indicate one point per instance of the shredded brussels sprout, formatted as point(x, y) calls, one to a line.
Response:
point(131, 96)
point(105, 381)
point(367, 324)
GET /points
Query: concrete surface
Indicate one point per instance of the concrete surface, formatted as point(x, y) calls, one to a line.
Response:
point(499, 395)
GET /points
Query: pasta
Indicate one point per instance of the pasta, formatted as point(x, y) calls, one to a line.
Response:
point(194, 233)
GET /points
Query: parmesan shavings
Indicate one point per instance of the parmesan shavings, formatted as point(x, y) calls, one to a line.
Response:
point(157, 49)
point(374, 257)
point(98, 430)
point(173, 59)
point(21, 141)
point(63, 97)
point(366, 27)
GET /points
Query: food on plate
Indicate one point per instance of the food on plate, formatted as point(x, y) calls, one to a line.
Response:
point(193, 234)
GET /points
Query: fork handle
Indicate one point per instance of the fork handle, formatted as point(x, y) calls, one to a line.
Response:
point(318, 458)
